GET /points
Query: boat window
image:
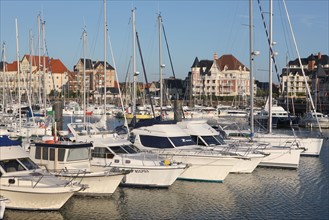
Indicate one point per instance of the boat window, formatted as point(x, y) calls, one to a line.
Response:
point(28, 163)
point(118, 150)
point(182, 141)
point(135, 148)
point(61, 154)
point(45, 153)
point(38, 153)
point(131, 149)
point(210, 140)
point(101, 152)
point(52, 154)
point(11, 165)
point(155, 142)
point(220, 139)
point(198, 140)
point(78, 154)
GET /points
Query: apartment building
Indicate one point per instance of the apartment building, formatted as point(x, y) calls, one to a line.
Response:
point(94, 76)
point(316, 69)
point(33, 71)
point(220, 77)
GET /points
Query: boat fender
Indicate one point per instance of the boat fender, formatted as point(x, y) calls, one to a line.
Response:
point(166, 162)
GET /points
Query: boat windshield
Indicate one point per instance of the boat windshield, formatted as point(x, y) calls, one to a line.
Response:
point(220, 139)
point(21, 164)
point(78, 154)
point(130, 149)
point(210, 140)
point(28, 163)
point(118, 150)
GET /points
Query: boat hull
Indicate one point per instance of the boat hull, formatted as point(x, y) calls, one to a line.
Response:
point(98, 184)
point(152, 177)
point(247, 165)
point(34, 200)
point(281, 157)
point(311, 146)
point(205, 168)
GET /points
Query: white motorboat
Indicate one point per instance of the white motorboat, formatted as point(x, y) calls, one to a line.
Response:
point(284, 154)
point(230, 112)
point(280, 117)
point(314, 120)
point(311, 145)
point(168, 139)
point(69, 160)
point(114, 151)
point(204, 135)
point(26, 185)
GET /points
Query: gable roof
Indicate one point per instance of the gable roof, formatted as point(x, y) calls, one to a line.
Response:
point(230, 62)
point(54, 65)
point(57, 66)
point(108, 66)
point(324, 60)
point(196, 63)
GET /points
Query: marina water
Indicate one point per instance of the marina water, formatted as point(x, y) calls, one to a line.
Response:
point(265, 194)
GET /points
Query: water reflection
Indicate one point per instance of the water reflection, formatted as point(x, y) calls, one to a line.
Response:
point(265, 194)
point(35, 215)
point(85, 207)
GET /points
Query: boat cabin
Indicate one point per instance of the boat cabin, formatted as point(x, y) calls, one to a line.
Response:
point(60, 155)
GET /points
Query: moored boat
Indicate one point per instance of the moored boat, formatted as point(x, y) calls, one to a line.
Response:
point(113, 151)
point(26, 185)
point(71, 160)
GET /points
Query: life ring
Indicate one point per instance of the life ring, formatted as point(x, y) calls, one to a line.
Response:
point(49, 141)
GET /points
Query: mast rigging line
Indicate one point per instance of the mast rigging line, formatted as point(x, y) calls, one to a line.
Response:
point(268, 40)
point(144, 71)
point(171, 64)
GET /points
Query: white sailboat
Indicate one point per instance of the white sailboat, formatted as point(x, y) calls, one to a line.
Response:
point(311, 146)
point(280, 156)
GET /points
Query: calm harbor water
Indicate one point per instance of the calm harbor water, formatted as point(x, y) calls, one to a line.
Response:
point(265, 194)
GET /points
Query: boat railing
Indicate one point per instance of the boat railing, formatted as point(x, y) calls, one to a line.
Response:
point(26, 178)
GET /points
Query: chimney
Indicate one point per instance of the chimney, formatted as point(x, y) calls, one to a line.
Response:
point(311, 62)
point(215, 56)
point(319, 56)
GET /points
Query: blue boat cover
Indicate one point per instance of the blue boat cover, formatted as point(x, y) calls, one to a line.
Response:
point(6, 141)
point(152, 121)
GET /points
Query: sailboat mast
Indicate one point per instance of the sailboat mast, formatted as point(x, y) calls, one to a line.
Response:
point(44, 67)
point(251, 54)
point(269, 127)
point(19, 80)
point(30, 75)
point(84, 76)
point(3, 75)
point(105, 24)
point(39, 59)
point(160, 63)
point(134, 62)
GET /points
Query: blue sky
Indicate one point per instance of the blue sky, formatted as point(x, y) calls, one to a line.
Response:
point(193, 28)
